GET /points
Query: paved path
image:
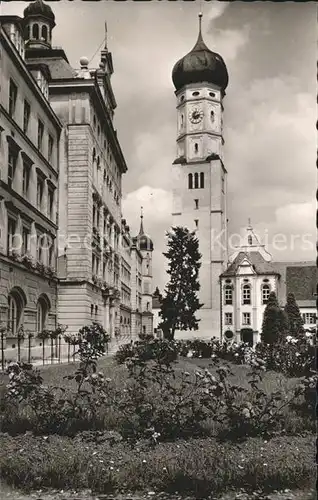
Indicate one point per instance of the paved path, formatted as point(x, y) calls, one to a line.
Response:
point(8, 493)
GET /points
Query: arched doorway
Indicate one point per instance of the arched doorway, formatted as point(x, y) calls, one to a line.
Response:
point(247, 336)
point(16, 304)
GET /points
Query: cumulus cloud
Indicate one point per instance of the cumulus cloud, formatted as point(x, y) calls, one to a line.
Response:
point(270, 142)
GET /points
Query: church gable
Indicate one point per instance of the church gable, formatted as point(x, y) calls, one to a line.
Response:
point(245, 267)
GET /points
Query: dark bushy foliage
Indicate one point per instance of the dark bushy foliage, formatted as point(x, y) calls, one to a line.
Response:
point(275, 322)
point(295, 321)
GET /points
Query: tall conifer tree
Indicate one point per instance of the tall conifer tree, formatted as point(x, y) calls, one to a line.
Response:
point(180, 300)
point(275, 322)
point(296, 328)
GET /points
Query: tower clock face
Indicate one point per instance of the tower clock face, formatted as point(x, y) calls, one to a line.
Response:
point(195, 115)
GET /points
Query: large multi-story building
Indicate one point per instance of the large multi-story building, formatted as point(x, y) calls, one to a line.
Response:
point(199, 194)
point(61, 182)
point(93, 271)
point(29, 162)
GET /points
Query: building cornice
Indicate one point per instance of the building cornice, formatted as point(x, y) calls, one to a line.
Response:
point(20, 203)
point(91, 86)
point(29, 79)
point(28, 140)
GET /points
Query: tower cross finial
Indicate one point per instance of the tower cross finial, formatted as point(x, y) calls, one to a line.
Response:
point(105, 35)
point(141, 230)
point(249, 222)
point(200, 21)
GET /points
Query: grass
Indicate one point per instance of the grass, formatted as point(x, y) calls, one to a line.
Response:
point(196, 467)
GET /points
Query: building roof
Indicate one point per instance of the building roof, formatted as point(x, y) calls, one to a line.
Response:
point(59, 68)
point(257, 261)
point(299, 278)
point(200, 65)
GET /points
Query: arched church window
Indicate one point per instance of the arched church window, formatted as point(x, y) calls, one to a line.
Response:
point(98, 162)
point(28, 32)
point(246, 294)
point(44, 32)
point(182, 98)
point(35, 31)
point(190, 181)
point(250, 239)
point(196, 180)
point(94, 155)
point(212, 116)
point(202, 180)
point(196, 148)
point(182, 121)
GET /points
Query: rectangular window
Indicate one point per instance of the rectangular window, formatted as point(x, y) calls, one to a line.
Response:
point(51, 254)
point(13, 92)
point(202, 180)
point(246, 319)
point(50, 150)
point(39, 251)
point(246, 295)
point(11, 233)
point(196, 222)
point(39, 192)
point(50, 201)
point(196, 204)
point(25, 179)
point(309, 318)
point(228, 319)
point(97, 265)
point(40, 135)
point(228, 295)
point(25, 240)
point(26, 116)
point(12, 163)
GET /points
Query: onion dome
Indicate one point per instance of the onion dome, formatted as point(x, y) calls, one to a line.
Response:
point(145, 242)
point(39, 8)
point(200, 65)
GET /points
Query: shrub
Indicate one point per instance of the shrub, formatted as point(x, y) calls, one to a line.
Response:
point(54, 409)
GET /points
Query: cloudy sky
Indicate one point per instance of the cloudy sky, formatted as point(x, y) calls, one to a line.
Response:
point(270, 106)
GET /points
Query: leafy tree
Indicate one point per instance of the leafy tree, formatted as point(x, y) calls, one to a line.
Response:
point(180, 301)
point(275, 322)
point(294, 318)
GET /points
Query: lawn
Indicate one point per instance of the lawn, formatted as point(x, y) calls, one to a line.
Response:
point(104, 462)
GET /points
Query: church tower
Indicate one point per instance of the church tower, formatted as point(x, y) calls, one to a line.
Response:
point(199, 175)
point(146, 249)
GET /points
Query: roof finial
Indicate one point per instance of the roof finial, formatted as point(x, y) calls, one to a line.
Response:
point(141, 230)
point(105, 36)
point(249, 223)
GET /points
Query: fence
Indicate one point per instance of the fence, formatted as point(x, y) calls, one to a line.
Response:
point(46, 351)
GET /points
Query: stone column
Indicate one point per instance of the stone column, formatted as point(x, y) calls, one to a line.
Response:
point(44, 207)
point(18, 176)
point(3, 226)
point(33, 185)
point(33, 241)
